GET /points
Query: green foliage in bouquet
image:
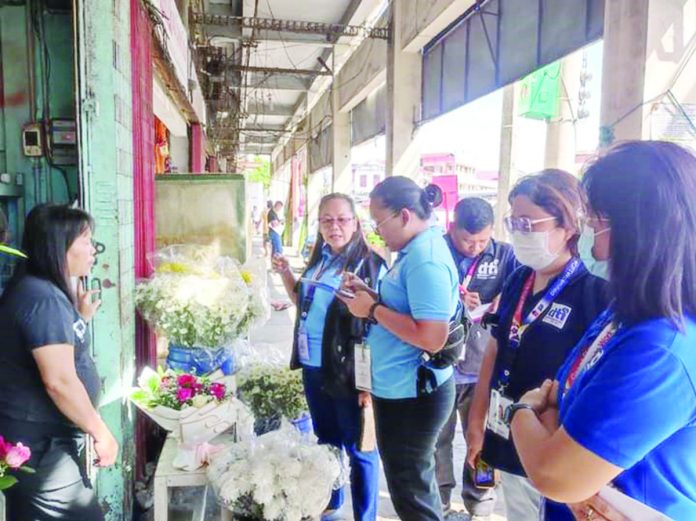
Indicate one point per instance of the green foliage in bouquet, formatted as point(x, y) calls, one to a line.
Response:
point(271, 390)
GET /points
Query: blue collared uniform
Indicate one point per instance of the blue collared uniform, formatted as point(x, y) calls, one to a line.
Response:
point(422, 283)
point(635, 407)
point(330, 269)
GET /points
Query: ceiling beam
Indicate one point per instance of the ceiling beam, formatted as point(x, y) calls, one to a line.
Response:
point(290, 26)
point(271, 81)
point(277, 70)
point(266, 109)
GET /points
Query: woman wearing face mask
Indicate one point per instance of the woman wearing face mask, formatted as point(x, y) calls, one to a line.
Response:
point(410, 315)
point(545, 307)
point(625, 398)
point(324, 340)
point(49, 386)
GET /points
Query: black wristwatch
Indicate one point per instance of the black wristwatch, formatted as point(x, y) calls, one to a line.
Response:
point(512, 409)
point(371, 314)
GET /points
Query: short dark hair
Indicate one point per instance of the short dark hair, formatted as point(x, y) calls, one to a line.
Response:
point(4, 232)
point(647, 189)
point(559, 194)
point(399, 192)
point(49, 231)
point(473, 214)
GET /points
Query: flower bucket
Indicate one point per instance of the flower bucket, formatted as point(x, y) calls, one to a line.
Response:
point(303, 423)
point(202, 361)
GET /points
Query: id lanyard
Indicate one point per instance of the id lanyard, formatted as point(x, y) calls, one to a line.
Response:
point(470, 272)
point(309, 297)
point(519, 326)
point(590, 349)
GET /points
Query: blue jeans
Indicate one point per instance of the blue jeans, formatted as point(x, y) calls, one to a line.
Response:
point(407, 431)
point(276, 242)
point(336, 422)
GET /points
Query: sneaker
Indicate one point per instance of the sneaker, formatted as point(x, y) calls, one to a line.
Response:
point(332, 515)
point(454, 515)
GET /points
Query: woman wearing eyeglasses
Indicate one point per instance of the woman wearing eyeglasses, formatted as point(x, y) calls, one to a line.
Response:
point(545, 307)
point(324, 339)
point(410, 317)
point(623, 408)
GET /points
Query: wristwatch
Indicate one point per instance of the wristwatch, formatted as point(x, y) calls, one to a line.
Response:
point(512, 409)
point(371, 314)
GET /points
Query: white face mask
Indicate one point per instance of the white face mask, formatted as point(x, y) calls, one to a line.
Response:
point(598, 268)
point(532, 249)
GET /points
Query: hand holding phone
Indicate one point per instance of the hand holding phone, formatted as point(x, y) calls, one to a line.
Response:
point(483, 474)
point(345, 293)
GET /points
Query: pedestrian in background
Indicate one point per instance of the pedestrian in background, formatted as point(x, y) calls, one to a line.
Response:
point(545, 308)
point(325, 336)
point(49, 385)
point(625, 398)
point(410, 315)
point(275, 228)
point(483, 265)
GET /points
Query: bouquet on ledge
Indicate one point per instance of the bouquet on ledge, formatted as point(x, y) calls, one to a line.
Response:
point(195, 409)
point(280, 476)
point(12, 458)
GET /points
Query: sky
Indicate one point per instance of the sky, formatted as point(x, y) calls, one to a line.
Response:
point(472, 131)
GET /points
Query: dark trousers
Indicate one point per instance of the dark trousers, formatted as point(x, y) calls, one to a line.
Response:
point(337, 422)
point(59, 490)
point(407, 431)
point(276, 242)
point(478, 501)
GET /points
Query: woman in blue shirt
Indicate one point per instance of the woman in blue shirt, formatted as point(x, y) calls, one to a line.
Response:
point(324, 339)
point(410, 315)
point(625, 398)
point(545, 308)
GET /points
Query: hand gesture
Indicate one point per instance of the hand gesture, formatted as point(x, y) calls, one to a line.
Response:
point(470, 299)
point(280, 264)
point(106, 447)
point(364, 399)
point(86, 305)
point(351, 282)
point(359, 305)
point(596, 509)
point(474, 444)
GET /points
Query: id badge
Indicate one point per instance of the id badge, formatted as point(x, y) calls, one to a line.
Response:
point(303, 345)
point(363, 367)
point(496, 414)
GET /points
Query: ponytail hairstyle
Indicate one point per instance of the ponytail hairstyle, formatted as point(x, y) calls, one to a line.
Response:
point(399, 192)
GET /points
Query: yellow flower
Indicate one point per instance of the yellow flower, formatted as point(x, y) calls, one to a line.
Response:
point(248, 278)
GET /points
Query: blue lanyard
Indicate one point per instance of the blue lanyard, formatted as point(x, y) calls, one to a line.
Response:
point(519, 326)
point(309, 297)
point(578, 353)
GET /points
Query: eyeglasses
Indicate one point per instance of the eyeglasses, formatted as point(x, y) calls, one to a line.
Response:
point(376, 225)
point(524, 224)
point(328, 222)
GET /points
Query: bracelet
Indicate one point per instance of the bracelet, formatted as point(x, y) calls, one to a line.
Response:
point(371, 314)
point(512, 409)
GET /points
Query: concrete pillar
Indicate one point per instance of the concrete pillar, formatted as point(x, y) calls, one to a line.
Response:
point(560, 131)
point(507, 146)
point(642, 35)
point(342, 180)
point(403, 96)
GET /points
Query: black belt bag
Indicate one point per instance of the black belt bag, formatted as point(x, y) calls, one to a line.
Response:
point(454, 346)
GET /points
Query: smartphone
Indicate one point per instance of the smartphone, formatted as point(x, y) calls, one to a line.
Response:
point(483, 474)
point(345, 293)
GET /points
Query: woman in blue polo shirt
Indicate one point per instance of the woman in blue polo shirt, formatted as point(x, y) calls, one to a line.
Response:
point(545, 307)
point(325, 334)
point(417, 298)
point(627, 392)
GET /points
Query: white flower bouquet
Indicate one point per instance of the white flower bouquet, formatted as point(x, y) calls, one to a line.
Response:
point(201, 301)
point(279, 476)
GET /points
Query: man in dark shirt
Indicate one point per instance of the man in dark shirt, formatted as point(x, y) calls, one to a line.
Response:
point(483, 265)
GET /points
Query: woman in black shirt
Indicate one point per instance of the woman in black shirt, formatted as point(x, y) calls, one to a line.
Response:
point(49, 386)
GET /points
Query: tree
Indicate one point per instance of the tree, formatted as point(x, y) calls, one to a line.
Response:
point(261, 173)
